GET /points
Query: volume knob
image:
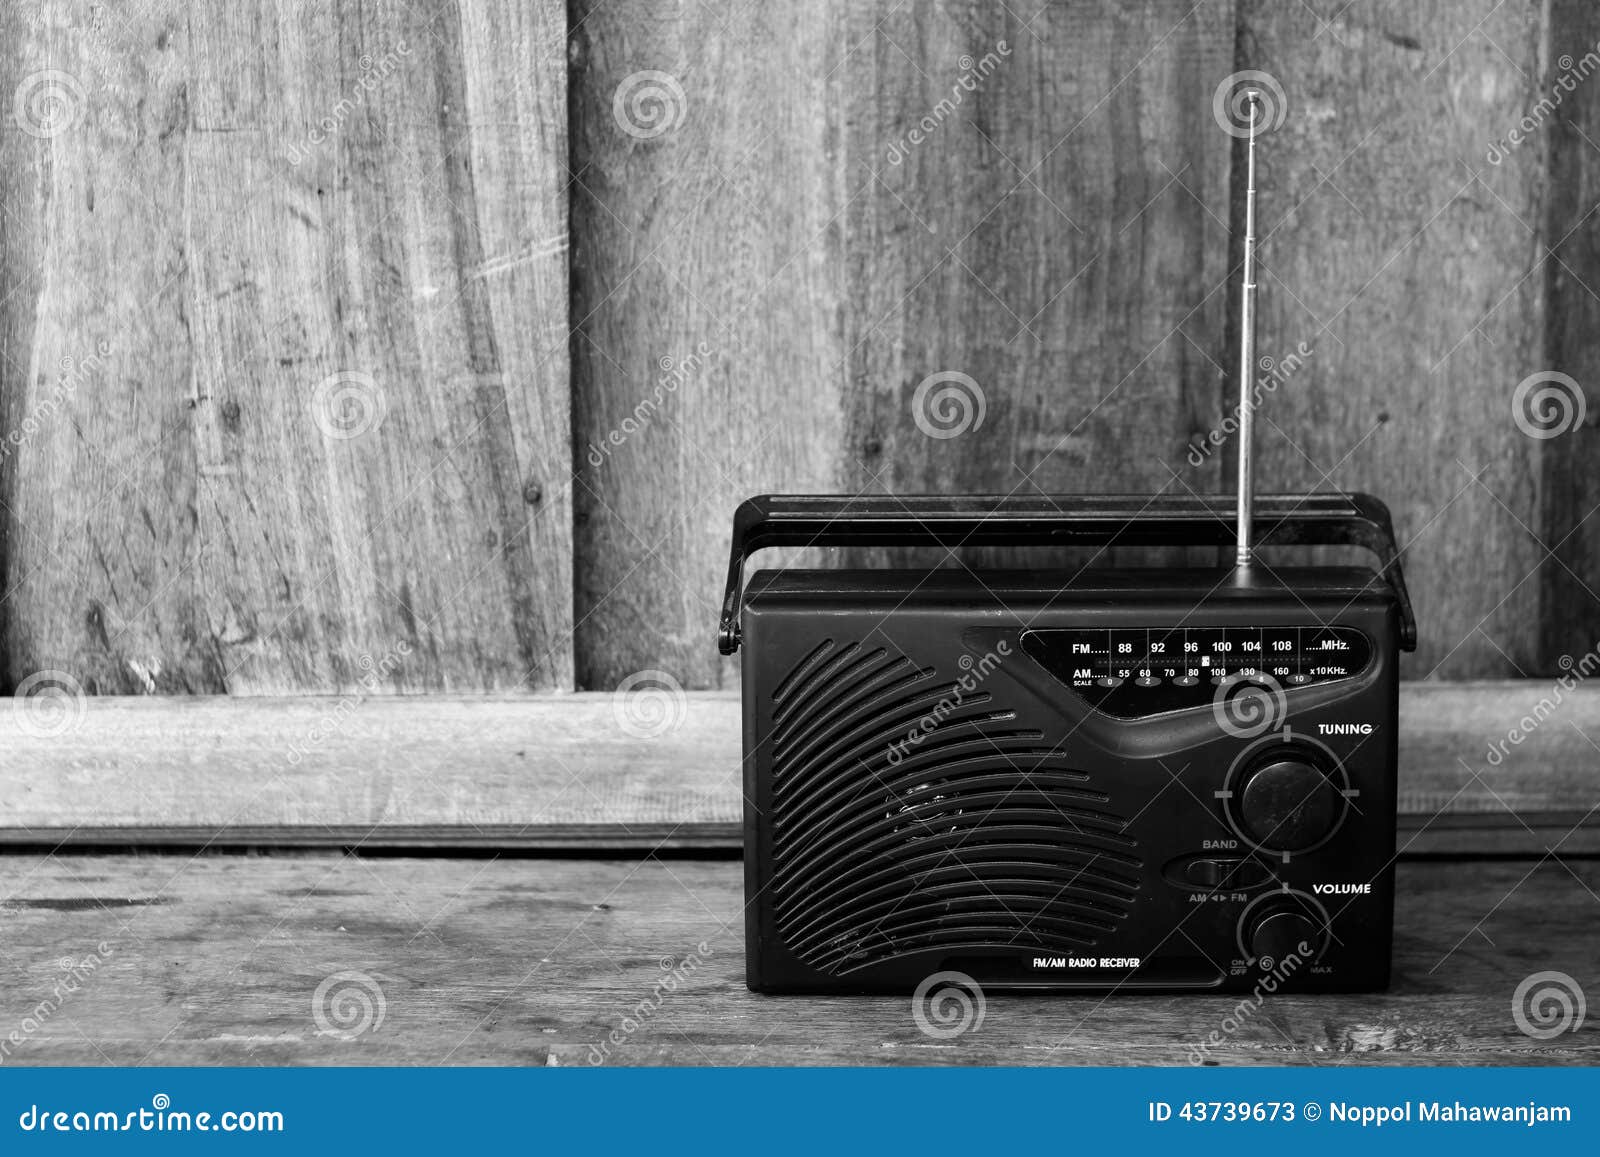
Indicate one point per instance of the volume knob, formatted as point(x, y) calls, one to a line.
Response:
point(1288, 804)
point(1279, 933)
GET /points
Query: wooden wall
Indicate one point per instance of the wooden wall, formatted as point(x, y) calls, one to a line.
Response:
point(1061, 238)
point(803, 238)
point(307, 266)
point(1410, 264)
point(1058, 238)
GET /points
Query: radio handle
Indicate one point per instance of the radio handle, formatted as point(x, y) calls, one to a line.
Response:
point(1344, 519)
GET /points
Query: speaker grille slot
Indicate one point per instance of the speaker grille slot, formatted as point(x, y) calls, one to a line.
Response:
point(975, 835)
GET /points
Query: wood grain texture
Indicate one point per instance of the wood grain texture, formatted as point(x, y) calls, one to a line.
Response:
point(1565, 118)
point(1059, 236)
point(1405, 261)
point(219, 960)
point(846, 203)
point(319, 256)
point(706, 300)
point(481, 763)
point(1500, 768)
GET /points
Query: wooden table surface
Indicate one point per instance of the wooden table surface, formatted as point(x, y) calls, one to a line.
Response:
point(334, 959)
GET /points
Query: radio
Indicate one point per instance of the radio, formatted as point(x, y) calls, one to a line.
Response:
point(1103, 780)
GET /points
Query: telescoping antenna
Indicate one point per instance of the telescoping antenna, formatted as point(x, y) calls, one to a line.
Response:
point(1244, 532)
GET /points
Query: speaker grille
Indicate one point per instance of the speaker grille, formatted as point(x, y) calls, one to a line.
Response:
point(974, 834)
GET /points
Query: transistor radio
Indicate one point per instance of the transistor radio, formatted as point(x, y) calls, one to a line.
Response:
point(1109, 780)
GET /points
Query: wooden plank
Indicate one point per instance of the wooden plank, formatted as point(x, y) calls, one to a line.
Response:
point(319, 258)
point(705, 212)
point(559, 962)
point(509, 763)
point(844, 202)
point(1570, 274)
point(1501, 768)
point(1407, 264)
point(1038, 281)
point(100, 531)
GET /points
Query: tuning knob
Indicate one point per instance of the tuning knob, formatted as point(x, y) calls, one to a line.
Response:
point(1287, 803)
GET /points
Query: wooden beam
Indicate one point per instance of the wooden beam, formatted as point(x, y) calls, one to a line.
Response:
point(221, 960)
point(1506, 767)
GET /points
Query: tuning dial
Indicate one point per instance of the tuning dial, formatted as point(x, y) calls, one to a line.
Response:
point(1283, 927)
point(1287, 803)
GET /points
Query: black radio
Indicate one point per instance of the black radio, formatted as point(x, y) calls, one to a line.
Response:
point(1109, 780)
point(1114, 779)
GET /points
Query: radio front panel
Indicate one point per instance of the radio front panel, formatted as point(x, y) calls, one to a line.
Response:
point(954, 786)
